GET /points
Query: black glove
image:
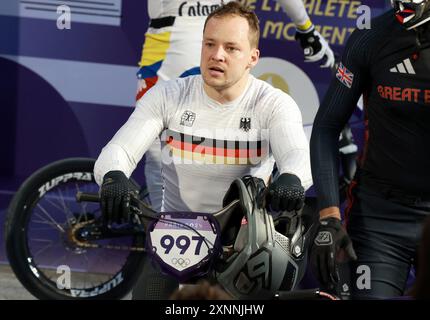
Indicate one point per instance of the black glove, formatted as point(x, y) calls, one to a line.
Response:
point(285, 194)
point(115, 196)
point(315, 47)
point(331, 244)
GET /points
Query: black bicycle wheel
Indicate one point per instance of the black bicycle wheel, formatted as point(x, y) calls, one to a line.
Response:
point(40, 250)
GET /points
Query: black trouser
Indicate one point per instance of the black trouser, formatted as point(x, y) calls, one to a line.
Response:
point(153, 284)
point(385, 232)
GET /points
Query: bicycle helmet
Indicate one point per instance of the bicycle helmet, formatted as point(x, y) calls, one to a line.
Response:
point(412, 13)
point(262, 260)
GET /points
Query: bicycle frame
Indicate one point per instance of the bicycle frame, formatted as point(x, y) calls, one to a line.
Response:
point(145, 217)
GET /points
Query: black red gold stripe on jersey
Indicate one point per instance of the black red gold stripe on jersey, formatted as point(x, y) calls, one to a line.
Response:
point(216, 151)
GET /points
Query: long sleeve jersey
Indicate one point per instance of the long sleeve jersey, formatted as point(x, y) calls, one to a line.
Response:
point(173, 40)
point(390, 66)
point(206, 145)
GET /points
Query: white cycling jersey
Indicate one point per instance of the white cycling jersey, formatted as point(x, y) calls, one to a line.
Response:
point(182, 8)
point(206, 145)
point(172, 49)
point(172, 46)
point(202, 8)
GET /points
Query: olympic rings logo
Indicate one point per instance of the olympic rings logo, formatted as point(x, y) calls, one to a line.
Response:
point(180, 262)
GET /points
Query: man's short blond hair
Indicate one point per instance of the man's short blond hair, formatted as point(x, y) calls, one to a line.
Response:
point(237, 9)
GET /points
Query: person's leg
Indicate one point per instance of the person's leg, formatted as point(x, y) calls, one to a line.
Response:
point(421, 287)
point(153, 284)
point(383, 234)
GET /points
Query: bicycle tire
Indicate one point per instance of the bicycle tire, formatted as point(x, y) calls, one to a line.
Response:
point(21, 221)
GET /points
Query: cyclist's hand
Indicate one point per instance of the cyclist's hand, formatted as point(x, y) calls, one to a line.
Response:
point(115, 196)
point(315, 47)
point(285, 194)
point(331, 244)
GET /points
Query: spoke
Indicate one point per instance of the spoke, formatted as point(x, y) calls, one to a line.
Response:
point(66, 209)
point(92, 284)
point(55, 223)
point(44, 221)
point(41, 228)
point(52, 203)
point(86, 280)
point(116, 255)
point(83, 206)
point(98, 258)
point(88, 261)
point(40, 240)
point(64, 257)
point(36, 254)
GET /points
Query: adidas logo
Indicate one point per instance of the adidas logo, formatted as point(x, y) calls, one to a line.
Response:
point(404, 67)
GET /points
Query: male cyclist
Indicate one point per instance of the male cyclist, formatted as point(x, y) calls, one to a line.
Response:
point(220, 125)
point(172, 49)
point(389, 198)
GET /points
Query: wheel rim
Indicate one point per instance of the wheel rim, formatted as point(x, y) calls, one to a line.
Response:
point(55, 260)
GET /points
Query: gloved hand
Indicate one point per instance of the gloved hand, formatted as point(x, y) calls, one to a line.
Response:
point(285, 194)
point(115, 197)
point(315, 47)
point(331, 245)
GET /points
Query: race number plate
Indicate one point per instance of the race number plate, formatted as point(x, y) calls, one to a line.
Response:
point(184, 243)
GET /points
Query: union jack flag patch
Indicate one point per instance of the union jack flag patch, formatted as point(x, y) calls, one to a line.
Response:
point(344, 75)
